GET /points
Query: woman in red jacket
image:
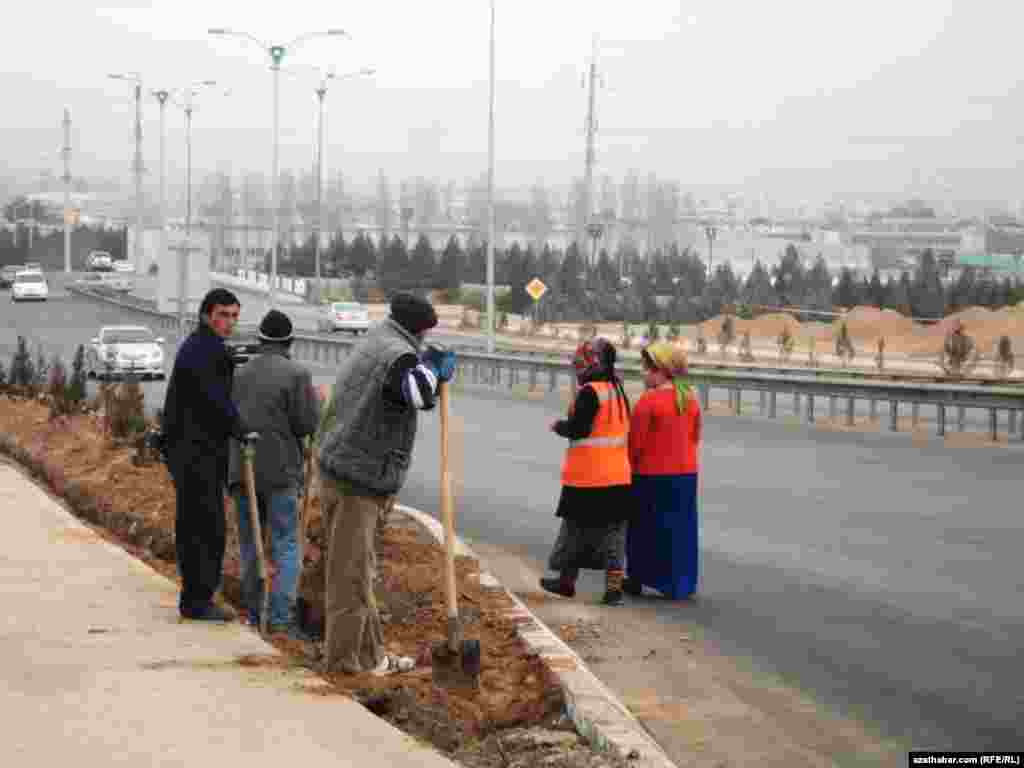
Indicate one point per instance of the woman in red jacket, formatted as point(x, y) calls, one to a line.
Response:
point(664, 439)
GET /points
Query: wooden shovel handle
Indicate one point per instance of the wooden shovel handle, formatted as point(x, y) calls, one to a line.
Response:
point(447, 512)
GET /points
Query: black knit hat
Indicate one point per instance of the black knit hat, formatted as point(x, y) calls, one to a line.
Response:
point(413, 313)
point(275, 327)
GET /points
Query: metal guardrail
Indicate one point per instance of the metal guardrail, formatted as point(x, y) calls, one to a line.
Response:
point(806, 389)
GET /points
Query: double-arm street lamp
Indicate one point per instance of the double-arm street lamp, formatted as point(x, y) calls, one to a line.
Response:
point(137, 166)
point(276, 54)
point(184, 99)
point(321, 93)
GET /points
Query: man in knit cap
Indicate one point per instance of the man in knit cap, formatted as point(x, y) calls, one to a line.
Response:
point(364, 459)
point(274, 395)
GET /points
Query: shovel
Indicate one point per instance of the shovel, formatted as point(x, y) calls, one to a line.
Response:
point(455, 662)
point(248, 459)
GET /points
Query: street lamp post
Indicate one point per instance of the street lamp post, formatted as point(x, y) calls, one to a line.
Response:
point(137, 165)
point(187, 105)
point(276, 54)
point(490, 198)
point(161, 97)
point(710, 232)
point(321, 93)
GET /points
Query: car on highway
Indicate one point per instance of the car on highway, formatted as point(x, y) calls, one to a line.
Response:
point(29, 286)
point(105, 281)
point(7, 274)
point(100, 261)
point(345, 316)
point(33, 266)
point(123, 266)
point(122, 349)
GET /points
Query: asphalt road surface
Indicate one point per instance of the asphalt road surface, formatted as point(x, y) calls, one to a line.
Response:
point(880, 574)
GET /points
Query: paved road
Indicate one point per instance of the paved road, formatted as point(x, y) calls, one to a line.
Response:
point(880, 574)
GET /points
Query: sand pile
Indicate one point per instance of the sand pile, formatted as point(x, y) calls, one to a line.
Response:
point(870, 323)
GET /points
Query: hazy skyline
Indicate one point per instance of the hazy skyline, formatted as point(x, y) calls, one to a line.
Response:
point(799, 100)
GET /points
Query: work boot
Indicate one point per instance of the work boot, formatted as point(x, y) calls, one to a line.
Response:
point(613, 587)
point(291, 630)
point(632, 587)
point(563, 586)
point(209, 612)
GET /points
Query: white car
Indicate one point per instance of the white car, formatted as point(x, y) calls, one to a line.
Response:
point(123, 349)
point(100, 260)
point(346, 316)
point(29, 286)
point(123, 265)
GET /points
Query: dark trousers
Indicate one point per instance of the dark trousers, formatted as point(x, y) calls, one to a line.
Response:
point(200, 476)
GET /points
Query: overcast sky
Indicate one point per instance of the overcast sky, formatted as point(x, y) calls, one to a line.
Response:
point(796, 99)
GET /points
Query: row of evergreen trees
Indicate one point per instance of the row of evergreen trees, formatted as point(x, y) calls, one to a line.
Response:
point(671, 286)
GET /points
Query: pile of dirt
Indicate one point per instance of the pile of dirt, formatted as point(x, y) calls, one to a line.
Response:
point(103, 483)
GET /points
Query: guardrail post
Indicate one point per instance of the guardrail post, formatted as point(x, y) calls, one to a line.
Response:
point(773, 404)
point(796, 404)
point(553, 380)
point(873, 410)
point(940, 416)
point(832, 408)
point(849, 411)
point(894, 416)
point(513, 376)
point(533, 378)
point(1011, 424)
point(764, 401)
point(993, 424)
point(738, 405)
point(810, 409)
point(961, 418)
point(915, 414)
point(705, 396)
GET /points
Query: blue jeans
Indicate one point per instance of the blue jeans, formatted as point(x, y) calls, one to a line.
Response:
point(279, 510)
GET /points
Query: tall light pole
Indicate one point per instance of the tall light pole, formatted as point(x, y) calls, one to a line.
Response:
point(276, 54)
point(161, 97)
point(186, 102)
point(588, 222)
point(137, 165)
point(490, 198)
point(67, 190)
point(321, 92)
point(711, 232)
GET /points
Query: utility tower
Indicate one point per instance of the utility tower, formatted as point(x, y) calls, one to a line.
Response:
point(69, 217)
point(589, 225)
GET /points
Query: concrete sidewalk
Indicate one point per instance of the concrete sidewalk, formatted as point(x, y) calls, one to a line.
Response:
point(98, 670)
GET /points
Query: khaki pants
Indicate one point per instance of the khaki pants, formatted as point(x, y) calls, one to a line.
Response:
point(354, 641)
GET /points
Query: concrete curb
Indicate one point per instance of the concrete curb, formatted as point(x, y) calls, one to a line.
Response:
point(604, 721)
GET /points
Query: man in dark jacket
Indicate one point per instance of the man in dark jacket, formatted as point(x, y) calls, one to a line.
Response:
point(364, 459)
point(198, 418)
point(275, 397)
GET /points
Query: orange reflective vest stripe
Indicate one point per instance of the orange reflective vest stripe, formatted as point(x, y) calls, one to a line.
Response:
point(602, 458)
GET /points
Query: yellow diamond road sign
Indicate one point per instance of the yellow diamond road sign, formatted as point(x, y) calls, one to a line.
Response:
point(536, 288)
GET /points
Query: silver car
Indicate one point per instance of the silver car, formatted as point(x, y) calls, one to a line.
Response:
point(345, 316)
point(124, 349)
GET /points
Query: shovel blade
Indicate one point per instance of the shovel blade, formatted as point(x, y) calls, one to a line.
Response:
point(456, 669)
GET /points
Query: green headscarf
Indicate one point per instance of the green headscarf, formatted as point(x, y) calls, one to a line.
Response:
point(673, 361)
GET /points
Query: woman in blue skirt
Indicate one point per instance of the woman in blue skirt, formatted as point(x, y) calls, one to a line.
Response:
point(664, 443)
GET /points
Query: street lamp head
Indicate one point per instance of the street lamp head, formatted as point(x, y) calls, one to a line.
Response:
point(367, 71)
point(219, 31)
point(337, 33)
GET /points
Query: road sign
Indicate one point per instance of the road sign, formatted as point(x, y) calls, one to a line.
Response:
point(536, 288)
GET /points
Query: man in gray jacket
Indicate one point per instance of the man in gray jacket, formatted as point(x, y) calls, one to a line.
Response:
point(364, 459)
point(275, 396)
